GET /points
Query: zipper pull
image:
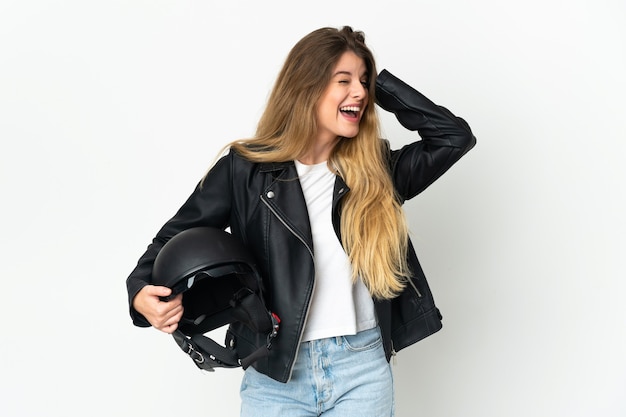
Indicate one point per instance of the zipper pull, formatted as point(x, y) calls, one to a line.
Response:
point(394, 359)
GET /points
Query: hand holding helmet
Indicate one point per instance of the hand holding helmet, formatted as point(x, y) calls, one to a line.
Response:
point(206, 278)
point(162, 315)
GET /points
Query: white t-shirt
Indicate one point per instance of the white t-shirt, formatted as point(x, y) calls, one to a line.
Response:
point(338, 307)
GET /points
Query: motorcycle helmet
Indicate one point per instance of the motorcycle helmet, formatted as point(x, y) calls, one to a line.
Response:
point(220, 285)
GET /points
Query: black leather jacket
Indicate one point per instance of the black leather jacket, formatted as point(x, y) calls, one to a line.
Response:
point(264, 206)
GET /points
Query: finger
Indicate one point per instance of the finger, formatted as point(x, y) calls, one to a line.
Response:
point(166, 328)
point(170, 316)
point(176, 301)
point(170, 325)
point(171, 328)
point(159, 291)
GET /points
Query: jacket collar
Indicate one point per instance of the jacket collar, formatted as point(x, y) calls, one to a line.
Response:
point(274, 166)
point(341, 188)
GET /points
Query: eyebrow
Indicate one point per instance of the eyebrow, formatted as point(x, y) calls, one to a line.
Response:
point(365, 74)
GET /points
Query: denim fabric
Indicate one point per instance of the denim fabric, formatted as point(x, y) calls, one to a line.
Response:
point(346, 376)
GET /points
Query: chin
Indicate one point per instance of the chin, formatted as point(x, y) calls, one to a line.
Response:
point(349, 135)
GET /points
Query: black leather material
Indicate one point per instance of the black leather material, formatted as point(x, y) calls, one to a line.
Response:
point(264, 206)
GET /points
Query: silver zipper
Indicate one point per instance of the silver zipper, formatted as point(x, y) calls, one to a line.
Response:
point(394, 359)
point(306, 315)
point(293, 232)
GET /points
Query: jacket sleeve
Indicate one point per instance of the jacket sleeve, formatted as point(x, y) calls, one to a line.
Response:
point(208, 205)
point(445, 137)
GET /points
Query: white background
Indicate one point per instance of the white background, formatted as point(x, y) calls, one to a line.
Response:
point(111, 111)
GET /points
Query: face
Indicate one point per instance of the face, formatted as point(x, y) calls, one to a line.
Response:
point(343, 103)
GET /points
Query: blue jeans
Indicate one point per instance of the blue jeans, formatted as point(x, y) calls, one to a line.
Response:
point(345, 376)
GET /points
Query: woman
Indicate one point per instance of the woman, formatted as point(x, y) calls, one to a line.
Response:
point(316, 196)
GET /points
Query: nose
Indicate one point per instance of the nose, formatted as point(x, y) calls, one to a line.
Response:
point(358, 90)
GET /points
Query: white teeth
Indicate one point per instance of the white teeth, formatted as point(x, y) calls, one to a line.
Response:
point(350, 108)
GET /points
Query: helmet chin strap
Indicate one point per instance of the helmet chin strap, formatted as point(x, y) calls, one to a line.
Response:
point(248, 308)
point(205, 352)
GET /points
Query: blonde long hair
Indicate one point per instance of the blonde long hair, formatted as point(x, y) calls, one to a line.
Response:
point(373, 226)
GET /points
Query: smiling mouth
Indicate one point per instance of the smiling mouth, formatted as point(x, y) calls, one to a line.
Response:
point(352, 111)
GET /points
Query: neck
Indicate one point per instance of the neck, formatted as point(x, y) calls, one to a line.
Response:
point(318, 153)
point(306, 160)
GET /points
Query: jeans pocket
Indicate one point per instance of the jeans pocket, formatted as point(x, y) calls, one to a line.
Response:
point(364, 340)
